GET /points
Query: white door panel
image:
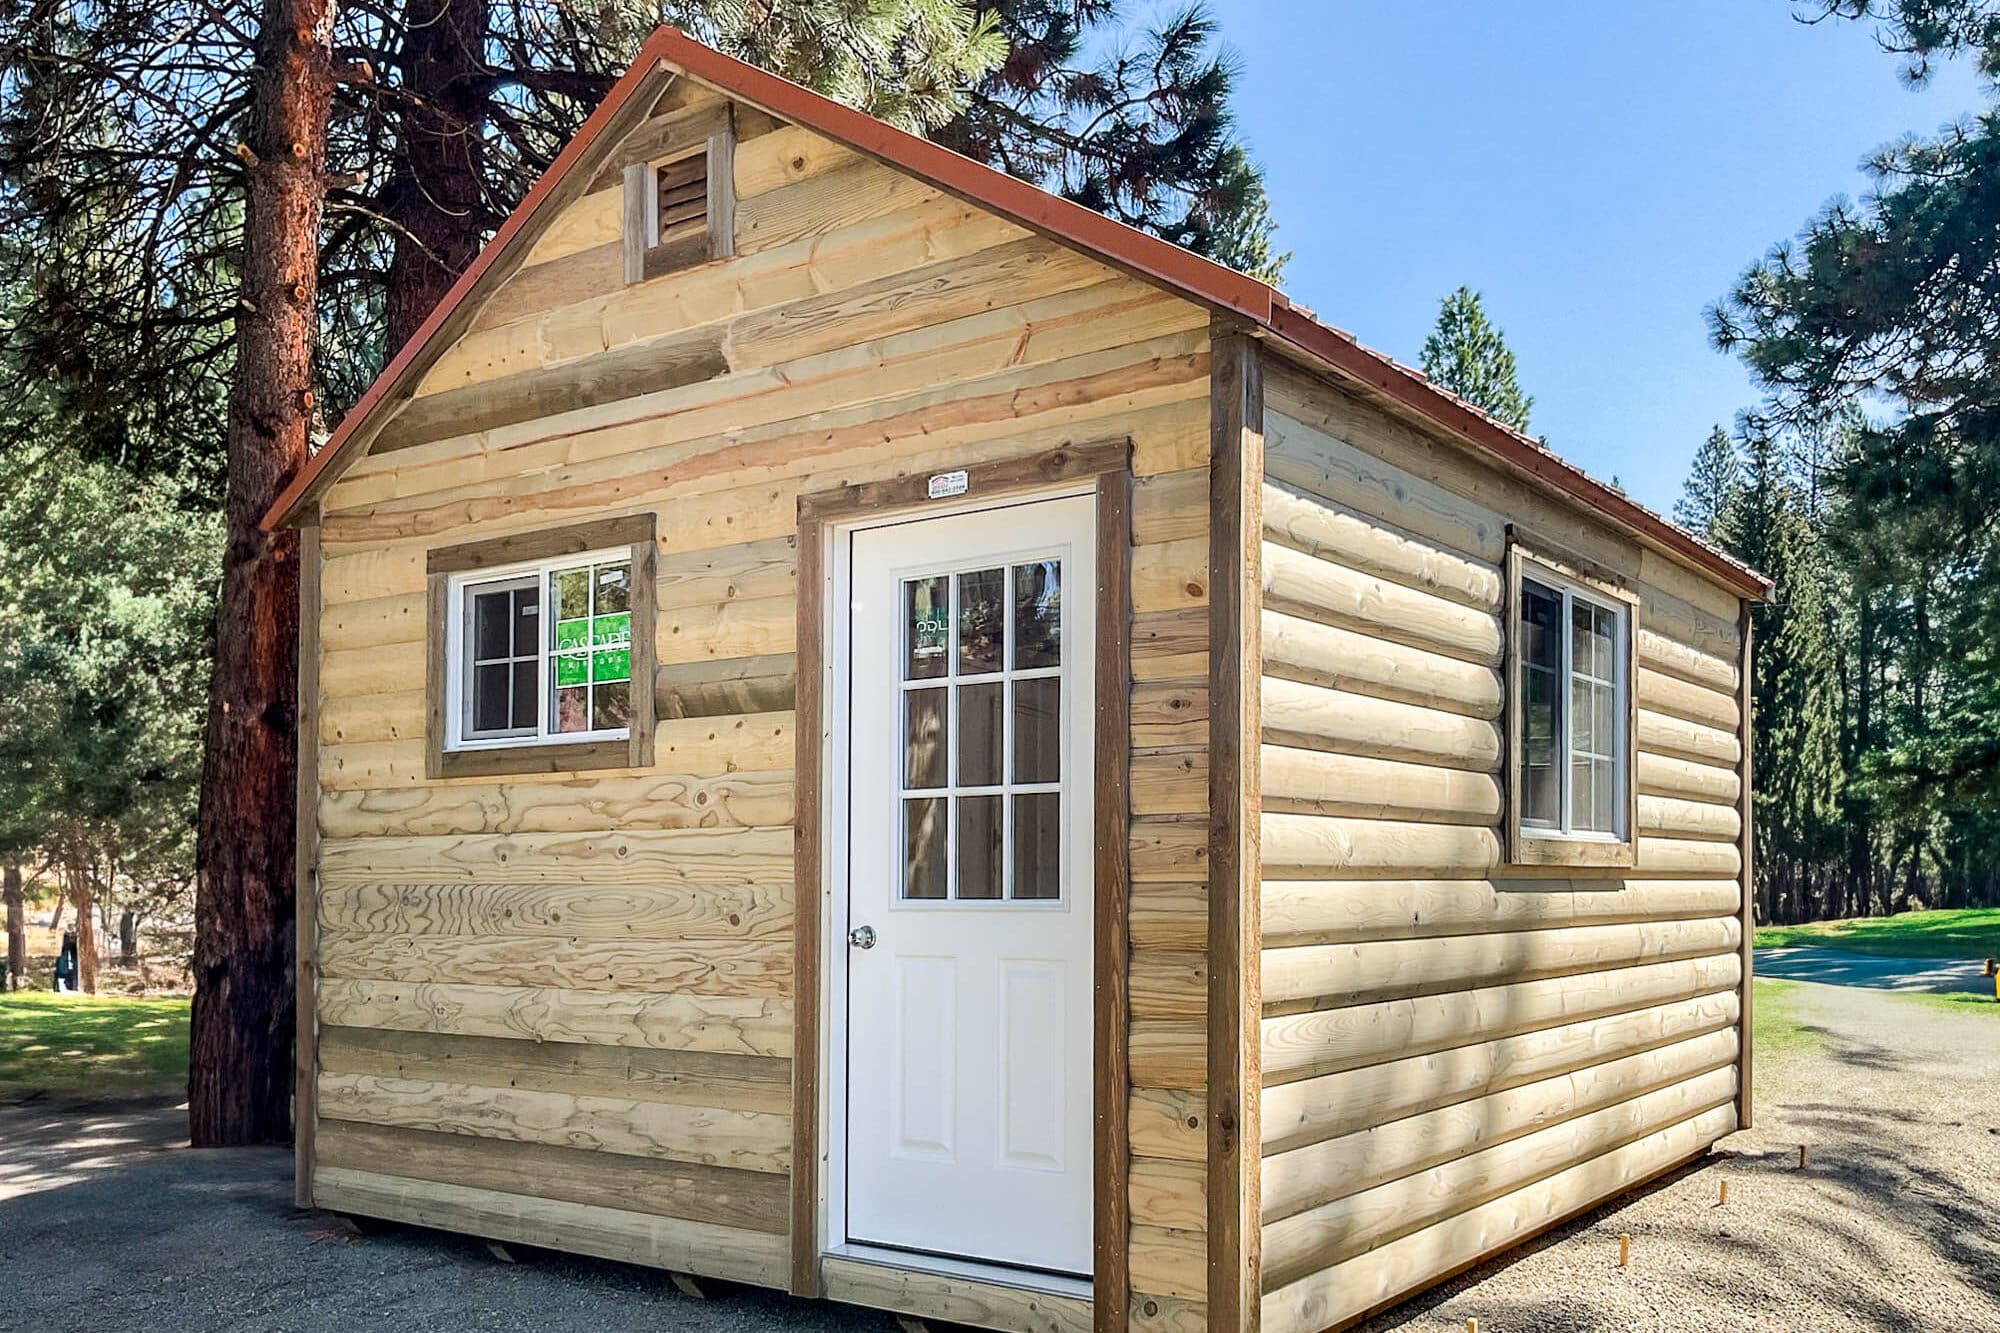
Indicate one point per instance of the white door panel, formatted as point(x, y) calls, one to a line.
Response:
point(970, 690)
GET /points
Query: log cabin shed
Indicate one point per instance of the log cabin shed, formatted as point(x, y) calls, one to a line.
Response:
point(870, 731)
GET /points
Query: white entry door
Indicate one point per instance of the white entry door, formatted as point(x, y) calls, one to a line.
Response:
point(968, 938)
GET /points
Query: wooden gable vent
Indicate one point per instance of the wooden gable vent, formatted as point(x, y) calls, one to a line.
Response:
point(680, 209)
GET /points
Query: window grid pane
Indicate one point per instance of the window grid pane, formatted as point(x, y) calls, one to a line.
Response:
point(1593, 765)
point(1541, 705)
point(982, 686)
point(496, 653)
point(590, 648)
point(523, 683)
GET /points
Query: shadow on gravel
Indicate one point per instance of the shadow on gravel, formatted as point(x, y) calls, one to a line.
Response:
point(106, 1210)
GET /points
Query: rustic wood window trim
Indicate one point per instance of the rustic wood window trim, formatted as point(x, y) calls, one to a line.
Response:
point(636, 533)
point(1532, 847)
point(1109, 464)
point(645, 255)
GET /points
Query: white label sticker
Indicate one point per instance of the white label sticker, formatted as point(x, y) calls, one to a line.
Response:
point(946, 484)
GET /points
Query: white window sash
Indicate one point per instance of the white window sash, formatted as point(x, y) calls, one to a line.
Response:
point(1565, 689)
point(459, 663)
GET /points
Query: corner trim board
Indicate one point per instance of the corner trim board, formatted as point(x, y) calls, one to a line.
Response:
point(1746, 809)
point(1111, 932)
point(305, 965)
point(1235, 855)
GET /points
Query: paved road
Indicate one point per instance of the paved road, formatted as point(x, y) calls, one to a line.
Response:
point(1836, 967)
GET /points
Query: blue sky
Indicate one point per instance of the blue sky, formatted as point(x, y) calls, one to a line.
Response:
point(1601, 172)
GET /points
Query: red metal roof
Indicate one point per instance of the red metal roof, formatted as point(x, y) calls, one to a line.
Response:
point(1182, 271)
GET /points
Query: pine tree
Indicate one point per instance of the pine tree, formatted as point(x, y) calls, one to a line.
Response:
point(121, 194)
point(1467, 354)
point(1711, 487)
point(1143, 133)
point(1794, 683)
point(1885, 306)
point(110, 600)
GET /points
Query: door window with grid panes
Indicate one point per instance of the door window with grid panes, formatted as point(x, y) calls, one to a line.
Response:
point(983, 761)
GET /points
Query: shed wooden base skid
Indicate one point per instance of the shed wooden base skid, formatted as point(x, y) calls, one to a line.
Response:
point(1260, 836)
point(1335, 1298)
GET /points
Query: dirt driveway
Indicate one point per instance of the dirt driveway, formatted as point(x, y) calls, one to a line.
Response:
point(108, 1220)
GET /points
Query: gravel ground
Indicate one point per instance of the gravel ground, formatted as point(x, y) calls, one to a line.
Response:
point(1893, 1224)
point(108, 1221)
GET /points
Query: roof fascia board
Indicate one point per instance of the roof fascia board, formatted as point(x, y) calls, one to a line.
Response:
point(573, 167)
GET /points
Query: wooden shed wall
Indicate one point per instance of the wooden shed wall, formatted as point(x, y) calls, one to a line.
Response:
point(560, 1009)
point(1453, 1056)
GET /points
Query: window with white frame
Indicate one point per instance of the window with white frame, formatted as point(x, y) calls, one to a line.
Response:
point(541, 653)
point(1570, 681)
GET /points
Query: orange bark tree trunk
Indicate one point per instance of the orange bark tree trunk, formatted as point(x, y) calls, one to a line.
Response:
point(240, 1061)
point(17, 925)
point(86, 933)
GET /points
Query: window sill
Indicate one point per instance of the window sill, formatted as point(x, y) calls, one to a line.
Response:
point(494, 761)
point(1555, 849)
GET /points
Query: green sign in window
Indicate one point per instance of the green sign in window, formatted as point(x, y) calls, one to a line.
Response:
point(591, 652)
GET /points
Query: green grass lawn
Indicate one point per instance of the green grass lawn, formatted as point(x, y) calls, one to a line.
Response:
point(1960, 933)
point(87, 1046)
point(1777, 1017)
point(1958, 1002)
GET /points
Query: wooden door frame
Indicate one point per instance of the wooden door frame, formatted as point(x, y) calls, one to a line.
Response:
point(1109, 465)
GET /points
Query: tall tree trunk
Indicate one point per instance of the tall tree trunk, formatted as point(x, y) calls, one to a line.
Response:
point(240, 1059)
point(437, 198)
point(128, 938)
point(1861, 824)
point(86, 933)
point(17, 923)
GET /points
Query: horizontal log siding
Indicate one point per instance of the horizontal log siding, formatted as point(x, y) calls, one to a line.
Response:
point(559, 1008)
point(1455, 1054)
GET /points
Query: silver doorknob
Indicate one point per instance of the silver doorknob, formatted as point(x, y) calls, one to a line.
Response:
point(862, 937)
